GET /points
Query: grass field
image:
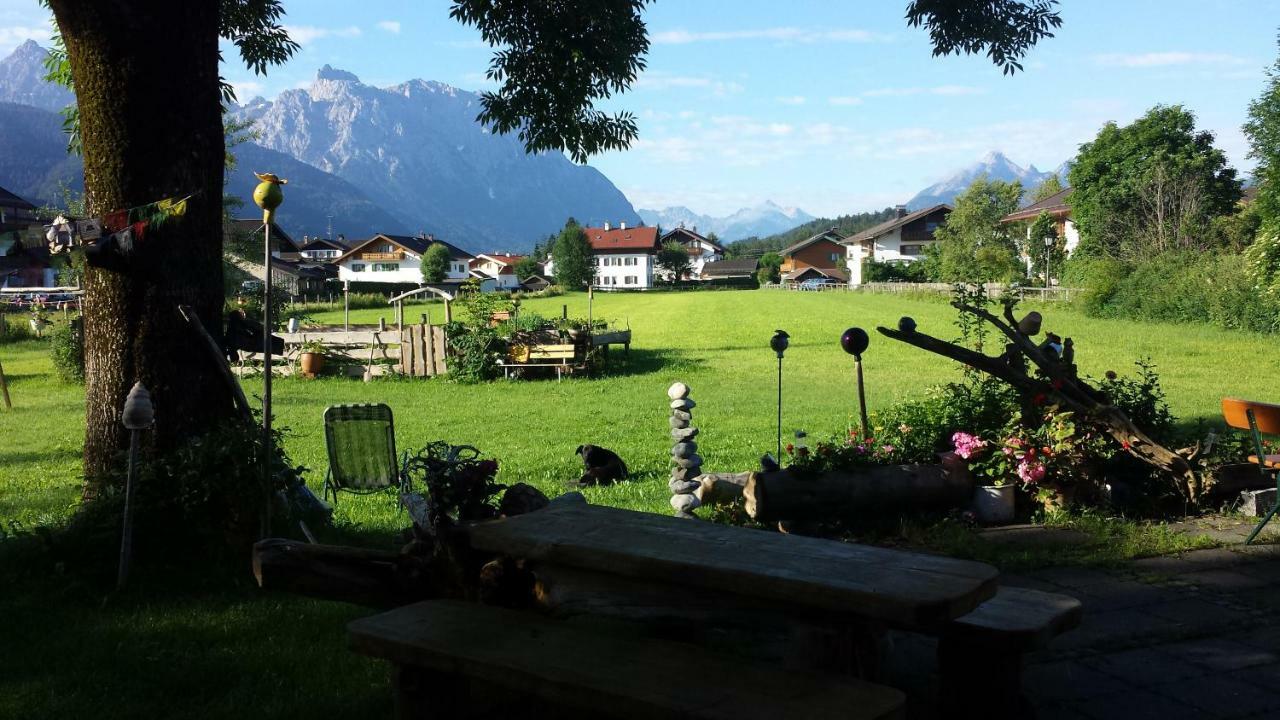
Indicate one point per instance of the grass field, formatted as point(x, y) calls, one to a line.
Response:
point(218, 647)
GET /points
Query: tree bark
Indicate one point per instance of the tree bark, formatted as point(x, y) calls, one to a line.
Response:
point(786, 495)
point(146, 80)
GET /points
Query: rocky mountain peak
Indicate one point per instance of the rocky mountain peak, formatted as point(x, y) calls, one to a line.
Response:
point(22, 79)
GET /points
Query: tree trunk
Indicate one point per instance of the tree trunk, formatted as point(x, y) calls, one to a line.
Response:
point(146, 80)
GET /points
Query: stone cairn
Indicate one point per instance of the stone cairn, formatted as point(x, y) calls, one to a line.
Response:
point(684, 453)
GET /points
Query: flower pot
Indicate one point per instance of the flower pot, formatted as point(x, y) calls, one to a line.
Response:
point(312, 363)
point(993, 504)
point(293, 325)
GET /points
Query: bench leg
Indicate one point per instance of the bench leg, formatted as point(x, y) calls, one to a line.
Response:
point(976, 681)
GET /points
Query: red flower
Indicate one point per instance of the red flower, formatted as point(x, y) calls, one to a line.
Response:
point(790, 448)
point(1125, 444)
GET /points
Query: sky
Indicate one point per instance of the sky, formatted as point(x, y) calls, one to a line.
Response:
point(830, 106)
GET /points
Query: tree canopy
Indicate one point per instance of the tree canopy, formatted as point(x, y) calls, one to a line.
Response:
point(1004, 29)
point(1263, 133)
point(1047, 188)
point(674, 259)
point(1157, 180)
point(572, 257)
point(526, 268)
point(973, 245)
point(435, 263)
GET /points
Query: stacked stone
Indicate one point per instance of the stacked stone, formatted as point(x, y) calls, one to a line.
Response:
point(684, 453)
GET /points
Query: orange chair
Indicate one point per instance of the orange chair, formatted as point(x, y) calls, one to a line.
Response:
point(1259, 419)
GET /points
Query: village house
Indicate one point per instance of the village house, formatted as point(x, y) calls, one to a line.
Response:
point(817, 256)
point(499, 266)
point(902, 238)
point(622, 257)
point(24, 257)
point(387, 258)
point(322, 249)
point(701, 249)
point(1058, 205)
point(735, 269)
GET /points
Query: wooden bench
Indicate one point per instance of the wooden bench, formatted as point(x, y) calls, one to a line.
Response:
point(560, 357)
point(438, 647)
point(980, 654)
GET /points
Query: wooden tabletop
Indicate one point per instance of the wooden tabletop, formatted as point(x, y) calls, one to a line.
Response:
point(902, 588)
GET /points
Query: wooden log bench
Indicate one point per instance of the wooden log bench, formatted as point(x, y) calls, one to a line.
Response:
point(980, 655)
point(440, 647)
point(561, 357)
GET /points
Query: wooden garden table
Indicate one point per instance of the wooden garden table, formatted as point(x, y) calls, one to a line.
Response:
point(899, 588)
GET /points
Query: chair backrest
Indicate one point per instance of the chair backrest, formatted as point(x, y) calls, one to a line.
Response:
point(1266, 415)
point(361, 440)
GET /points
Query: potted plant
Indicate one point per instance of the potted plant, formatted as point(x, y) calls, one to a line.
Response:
point(993, 502)
point(311, 357)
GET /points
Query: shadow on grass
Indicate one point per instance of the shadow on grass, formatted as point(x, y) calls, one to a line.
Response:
point(11, 456)
point(645, 362)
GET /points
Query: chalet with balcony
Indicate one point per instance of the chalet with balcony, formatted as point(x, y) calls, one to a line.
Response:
point(823, 251)
point(903, 238)
point(387, 258)
point(701, 249)
point(320, 249)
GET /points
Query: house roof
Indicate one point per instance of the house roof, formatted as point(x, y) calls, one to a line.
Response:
point(253, 226)
point(506, 260)
point(685, 235)
point(727, 268)
point(320, 243)
point(1057, 204)
point(416, 244)
point(834, 273)
point(830, 234)
point(632, 239)
point(8, 199)
point(889, 226)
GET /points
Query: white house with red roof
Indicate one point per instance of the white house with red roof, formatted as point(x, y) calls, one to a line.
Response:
point(499, 266)
point(623, 257)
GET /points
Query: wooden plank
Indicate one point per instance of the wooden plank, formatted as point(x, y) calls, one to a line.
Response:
point(438, 345)
point(591, 670)
point(332, 337)
point(428, 351)
point(911, 590)
point(406, 350)
point(4, 388)
point(1019, 619)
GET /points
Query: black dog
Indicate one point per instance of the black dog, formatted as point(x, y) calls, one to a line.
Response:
point(602, 466)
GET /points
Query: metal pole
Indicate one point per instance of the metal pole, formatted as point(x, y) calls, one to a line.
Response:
point(779, 455)
point(126, 537)
point(266, 386)
point(862, 398)
point(346, 306)
point(1046, 272)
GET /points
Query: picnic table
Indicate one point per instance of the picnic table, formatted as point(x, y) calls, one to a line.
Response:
point(905, 589)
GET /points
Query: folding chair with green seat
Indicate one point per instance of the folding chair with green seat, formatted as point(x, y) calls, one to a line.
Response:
point(1259, 419)
point(361, 440)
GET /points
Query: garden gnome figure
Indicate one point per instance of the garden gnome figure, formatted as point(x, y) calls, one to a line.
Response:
point(779, 343)
point(138, 415)
point(267, 195)
point(855, 341)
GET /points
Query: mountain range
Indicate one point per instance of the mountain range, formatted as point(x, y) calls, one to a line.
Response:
point(995, 166)
point(766, 218)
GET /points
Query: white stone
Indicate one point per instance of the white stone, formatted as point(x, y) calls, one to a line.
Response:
point(683, 404)
point(685, 503)
point(677, 391)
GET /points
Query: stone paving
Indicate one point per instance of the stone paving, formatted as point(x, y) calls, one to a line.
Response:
point(1195, 635)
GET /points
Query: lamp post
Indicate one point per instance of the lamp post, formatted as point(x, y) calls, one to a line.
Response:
point(1048, 247)
point(138, 415)
point(855, 342)
point(267, 195)
point(779, 343)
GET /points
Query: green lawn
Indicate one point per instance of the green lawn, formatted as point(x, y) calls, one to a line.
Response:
point(214, 651)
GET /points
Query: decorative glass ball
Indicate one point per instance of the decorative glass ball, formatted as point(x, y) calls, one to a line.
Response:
point(855, 341)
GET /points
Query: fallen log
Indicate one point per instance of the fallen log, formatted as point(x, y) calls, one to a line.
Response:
point(721, 487)
point(373, 578)
point(793, 495)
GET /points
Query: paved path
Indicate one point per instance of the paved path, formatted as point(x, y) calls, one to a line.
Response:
point(1190, 636)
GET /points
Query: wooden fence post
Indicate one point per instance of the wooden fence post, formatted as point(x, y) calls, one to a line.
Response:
point(4, 388)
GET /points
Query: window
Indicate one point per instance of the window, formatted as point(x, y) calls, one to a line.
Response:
point(386, 267)
point(357, 267)
point(911, 250)
point(834, 257)
point(630, 280)
point(385, 248)
point(629, 261)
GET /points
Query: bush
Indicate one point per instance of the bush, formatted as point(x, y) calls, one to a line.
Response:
point(15, 327)
point(66, 348)
point(896, 271)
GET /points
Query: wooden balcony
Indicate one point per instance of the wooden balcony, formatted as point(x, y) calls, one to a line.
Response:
point(380, 256)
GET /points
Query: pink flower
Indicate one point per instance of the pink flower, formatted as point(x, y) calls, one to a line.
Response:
point(888, 449)
point(966, 445)
point(1030, 472)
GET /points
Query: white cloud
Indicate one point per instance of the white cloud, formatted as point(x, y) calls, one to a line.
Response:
point(944, 90)
point(665, 81)
point(391, 26)
point(247, 89)
point(844, 100)
point(1164, 59)
point(304, 34)
point(779, 34)
point(12, 37)
point(791, 99)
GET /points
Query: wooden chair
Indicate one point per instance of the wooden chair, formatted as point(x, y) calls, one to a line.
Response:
point(361, 441)
point(1259, 419)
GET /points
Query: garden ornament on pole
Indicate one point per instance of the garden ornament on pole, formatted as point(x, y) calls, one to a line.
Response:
point(779, 343)
point(267, 195)
point(855, 341)
point(138, 415)
point(1048, 248)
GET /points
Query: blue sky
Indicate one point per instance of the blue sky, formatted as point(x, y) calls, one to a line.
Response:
point(830, 106)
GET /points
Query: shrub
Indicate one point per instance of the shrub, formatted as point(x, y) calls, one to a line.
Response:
point(895, 271)
point(66, 348)
point(14, 327)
